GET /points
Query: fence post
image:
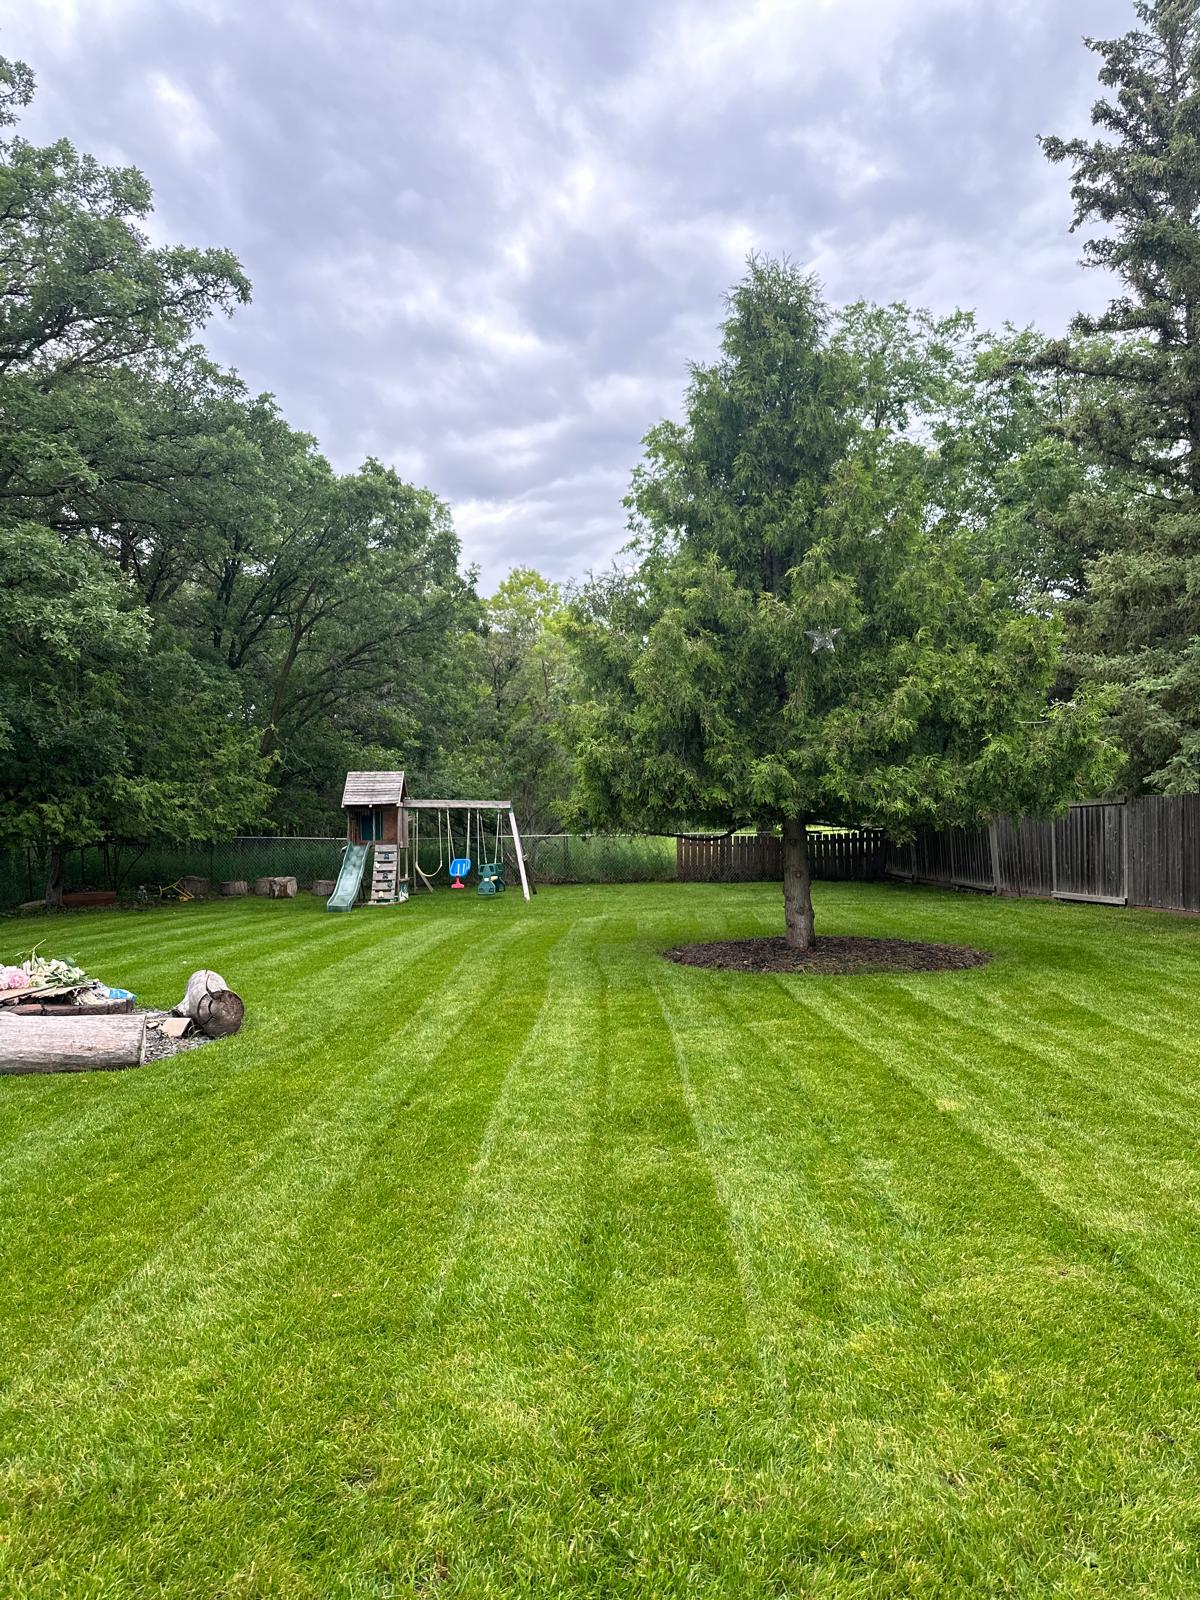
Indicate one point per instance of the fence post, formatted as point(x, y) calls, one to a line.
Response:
point(1125, 850)
point(1053, 855)
point(994, 847)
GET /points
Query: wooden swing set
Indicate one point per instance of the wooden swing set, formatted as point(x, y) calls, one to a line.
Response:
point(446, 854)
point(381, 814)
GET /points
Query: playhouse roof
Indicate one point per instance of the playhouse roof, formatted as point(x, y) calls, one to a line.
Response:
point(373, 789)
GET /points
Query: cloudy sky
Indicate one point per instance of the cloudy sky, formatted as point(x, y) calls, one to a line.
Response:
point(486, 236)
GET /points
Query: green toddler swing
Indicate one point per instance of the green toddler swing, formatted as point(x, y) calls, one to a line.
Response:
point(491, 873)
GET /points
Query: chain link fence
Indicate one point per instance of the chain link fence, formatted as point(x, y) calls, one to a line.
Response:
point(600, 858)
point(549, 858)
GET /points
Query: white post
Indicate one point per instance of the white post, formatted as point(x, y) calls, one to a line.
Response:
point(516, 837)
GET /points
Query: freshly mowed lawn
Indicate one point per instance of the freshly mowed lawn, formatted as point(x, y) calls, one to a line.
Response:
point(499, 1257)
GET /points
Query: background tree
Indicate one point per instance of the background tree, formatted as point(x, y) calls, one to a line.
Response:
point(527, 671)
point(983, 424)
point(320, 620)
point(109, 730)
point(1136, 368)
point(800, 641)
point(102, 734)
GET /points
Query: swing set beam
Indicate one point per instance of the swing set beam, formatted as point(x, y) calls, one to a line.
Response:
point(457, 805)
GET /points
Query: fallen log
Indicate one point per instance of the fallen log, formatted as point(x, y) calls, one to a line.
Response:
point(71, 1044)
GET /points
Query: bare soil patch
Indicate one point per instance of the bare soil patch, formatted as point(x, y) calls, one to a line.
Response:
point(833, 955)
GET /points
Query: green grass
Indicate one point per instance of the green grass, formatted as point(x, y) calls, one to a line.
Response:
point(498, 1257)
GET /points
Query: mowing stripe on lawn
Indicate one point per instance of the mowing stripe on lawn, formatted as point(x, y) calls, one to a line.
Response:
point(109, 1094)
point(268, 1186)
point(203, 1136)
point(763, 1161)
point(291, 1204)
point(626, 1278)
point(1023, 1124)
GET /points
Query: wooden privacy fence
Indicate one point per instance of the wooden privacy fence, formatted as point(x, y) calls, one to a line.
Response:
point(836, 854)
point(1143, 852)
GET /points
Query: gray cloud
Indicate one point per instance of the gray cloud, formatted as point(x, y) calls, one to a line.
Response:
point(486, 238)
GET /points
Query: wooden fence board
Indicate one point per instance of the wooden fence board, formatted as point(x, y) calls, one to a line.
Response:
point(844, 854)
point(1143, 852)
point(1089, 853)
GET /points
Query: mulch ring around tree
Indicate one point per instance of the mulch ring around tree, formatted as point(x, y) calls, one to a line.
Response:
point(832, 955)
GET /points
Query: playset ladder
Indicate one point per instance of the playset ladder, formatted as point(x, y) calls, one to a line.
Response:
point(383, 875)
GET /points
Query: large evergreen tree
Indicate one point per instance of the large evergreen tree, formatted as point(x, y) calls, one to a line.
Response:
point(1137, 410)
point(801, 640)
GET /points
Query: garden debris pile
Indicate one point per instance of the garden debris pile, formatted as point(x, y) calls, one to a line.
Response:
point(48, 986)
point(40, 979)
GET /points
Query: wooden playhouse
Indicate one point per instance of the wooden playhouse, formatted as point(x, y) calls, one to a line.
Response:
point(374, 807)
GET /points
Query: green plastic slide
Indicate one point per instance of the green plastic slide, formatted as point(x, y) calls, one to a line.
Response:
point(354, 864)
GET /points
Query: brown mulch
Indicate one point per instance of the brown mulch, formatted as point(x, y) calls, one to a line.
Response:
point(832, 955)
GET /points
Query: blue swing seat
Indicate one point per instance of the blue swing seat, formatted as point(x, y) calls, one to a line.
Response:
point(460, 868)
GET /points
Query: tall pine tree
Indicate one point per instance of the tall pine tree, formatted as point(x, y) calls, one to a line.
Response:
point(1138, 410)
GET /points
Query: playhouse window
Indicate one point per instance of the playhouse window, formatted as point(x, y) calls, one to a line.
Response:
point(370, 826)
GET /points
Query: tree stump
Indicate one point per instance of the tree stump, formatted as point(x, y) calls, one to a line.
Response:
point(276, 888)
point(211, 1004)
point(233, 887)
point(197, 887)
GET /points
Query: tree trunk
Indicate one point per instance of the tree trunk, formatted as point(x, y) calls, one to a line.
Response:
point(797, 884)
point(54, 879)
point(211, 1004)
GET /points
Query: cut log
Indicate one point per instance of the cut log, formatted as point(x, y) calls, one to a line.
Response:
point(324, 887)
point(71, 1044)
point(197, 887)
point(277, 888)
point(212, 1005)
point(233, 887)
point(220, 1013)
